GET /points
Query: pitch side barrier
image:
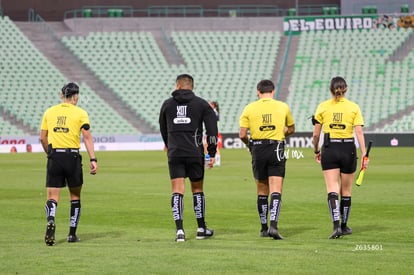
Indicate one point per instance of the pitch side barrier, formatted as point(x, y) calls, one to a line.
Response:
point(304, 140)
point(154, 142)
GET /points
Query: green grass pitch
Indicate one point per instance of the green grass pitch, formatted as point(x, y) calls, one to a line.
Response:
point(126, 225)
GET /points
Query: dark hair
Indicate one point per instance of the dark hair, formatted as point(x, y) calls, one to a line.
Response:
point(185, 79)
point(265, 86)
point(70, 89)
point(338, 86)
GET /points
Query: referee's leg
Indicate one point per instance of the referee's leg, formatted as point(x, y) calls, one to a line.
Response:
point(263, 205)
point(177, 206)
point(53, 194)
point(275, 189)
point(75, 211)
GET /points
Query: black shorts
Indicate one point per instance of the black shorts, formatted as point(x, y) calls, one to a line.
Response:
point(268, 160)
point(64, 168)
point(182, 167)
point(339, 155)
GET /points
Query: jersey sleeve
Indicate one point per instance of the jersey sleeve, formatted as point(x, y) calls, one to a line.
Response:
point(244, 119)
point(84, 119)
point(359, 120)
point(319, 114)
point(289, 118)
point(43, 125)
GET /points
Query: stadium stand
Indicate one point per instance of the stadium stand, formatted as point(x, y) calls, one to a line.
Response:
point(8, 129)
point(221, 62)
point(226, 66)
point(133, 67)
point(236, 61)
point(404, 124)
point(29, 84)
point(382, 88)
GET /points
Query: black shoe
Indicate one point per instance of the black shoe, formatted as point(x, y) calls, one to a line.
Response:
point(50, 233)
point(180, 236)
point(346, 230)
point(274, 233)
point(204, 233)
point(336, 233)
point(264, 233)
point(73, 239)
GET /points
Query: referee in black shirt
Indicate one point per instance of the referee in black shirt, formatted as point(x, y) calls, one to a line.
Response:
point(181, 124)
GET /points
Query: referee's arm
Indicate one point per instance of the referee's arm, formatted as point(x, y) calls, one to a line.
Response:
point(289, 130)
point(316, 136)
point(88, 141)
point(44, 140)
point(243, 135)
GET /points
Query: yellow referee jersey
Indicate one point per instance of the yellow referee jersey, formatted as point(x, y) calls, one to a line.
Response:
point(338, 118)
point(63, 123)
point(266, 118)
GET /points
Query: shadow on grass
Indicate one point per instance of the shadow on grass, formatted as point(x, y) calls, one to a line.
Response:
point(99, 235)
point(293, 231)
point(369, 228)
point(93, 236)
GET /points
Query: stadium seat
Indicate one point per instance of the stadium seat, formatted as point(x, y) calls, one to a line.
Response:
point(28, 92)
point(226, 66)
point(362, 58)
point(221, 63)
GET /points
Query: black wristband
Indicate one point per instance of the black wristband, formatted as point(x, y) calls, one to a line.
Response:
point(94, 159)
point(317, 152)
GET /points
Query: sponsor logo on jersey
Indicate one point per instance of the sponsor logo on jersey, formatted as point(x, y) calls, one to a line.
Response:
point(182, 115)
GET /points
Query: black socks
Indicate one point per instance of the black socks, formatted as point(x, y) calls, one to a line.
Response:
point(345, 209)
point(199, 208)
point(334, 208)
point(262, 208)
point(50, 209)
point(275, 204)
point(177, 209)
point(75, 210)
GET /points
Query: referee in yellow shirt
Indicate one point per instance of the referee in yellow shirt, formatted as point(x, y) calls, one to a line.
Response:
point(269, 122)
point(338, 118)
point(61, 128)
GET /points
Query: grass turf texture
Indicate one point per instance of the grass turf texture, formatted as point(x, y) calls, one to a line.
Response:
point(126, 224)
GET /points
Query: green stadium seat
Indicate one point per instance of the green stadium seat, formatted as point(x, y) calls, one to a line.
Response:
point(405, 9)
point(373, 81)
point(365, 10)
point(222, 58)
point(87, 12)
point(27, 92)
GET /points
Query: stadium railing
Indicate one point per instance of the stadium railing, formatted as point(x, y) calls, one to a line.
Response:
point(100, 11)
point(174, 10)
point(249, 10)
point(325, 9)
point(283, 66)
point(380, 7)
point(200, 11)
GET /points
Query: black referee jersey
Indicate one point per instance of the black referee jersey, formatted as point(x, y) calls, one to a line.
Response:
point(181, 124)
